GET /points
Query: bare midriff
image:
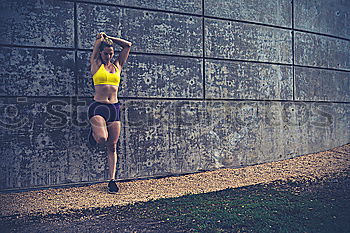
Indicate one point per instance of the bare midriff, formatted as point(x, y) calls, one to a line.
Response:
point(106, 93)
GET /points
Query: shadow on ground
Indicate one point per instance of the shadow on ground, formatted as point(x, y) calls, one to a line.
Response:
point(301, 206)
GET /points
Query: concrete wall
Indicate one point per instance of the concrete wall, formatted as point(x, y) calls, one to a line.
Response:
point(209, 84)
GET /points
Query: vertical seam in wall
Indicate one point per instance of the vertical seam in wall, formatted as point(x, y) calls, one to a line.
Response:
point(76, 47)
point(203, 54)
point(203, 76)
point(74, 129)
point(293, 53)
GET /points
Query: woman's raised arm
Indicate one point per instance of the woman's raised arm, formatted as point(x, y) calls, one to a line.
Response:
point(95, 52)
point(124, 54)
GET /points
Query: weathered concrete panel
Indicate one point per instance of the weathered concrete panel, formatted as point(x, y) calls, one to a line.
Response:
point(158, 76)
point(34, 142)
point(321, 51)
point(165, 33)
point(182, 136)
point(84, 79)
point(244, 80)
point(258, 132)
point(189, 6)
point(225, 134)
point(271, 12)
point(186, 141)
point(169, 137)
point(328, 16)
point(322, 125)
point(37, 22)
point(246, 133)
point(225, 39)
point(147, 139)
point(36, 72)
point(322, 85)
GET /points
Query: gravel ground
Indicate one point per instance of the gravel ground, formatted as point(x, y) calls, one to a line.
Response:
point(307, 168)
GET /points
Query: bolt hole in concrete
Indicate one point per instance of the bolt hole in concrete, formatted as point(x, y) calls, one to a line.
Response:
point(147, 81)
point(337, 13)
point(11, 111)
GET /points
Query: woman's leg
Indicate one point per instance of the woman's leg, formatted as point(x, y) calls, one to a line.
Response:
point(99, 129)
point(113, 136)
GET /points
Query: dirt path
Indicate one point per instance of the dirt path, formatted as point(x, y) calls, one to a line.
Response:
point(305, 168)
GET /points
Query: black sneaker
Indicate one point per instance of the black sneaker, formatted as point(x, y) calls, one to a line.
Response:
point(112, 187)
point(92, 140)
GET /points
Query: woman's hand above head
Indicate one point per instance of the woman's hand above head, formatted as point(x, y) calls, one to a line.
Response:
point(95, 56)
point(101, 35)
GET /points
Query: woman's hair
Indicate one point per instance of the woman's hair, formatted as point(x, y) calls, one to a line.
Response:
point(106, 43)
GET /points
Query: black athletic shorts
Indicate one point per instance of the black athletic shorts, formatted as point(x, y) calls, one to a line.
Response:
point(110, 112)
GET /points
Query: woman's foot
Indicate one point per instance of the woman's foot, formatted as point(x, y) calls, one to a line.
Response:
point(112, 187)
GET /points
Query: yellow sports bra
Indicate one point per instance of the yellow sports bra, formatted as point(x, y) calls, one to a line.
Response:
point(102, 76)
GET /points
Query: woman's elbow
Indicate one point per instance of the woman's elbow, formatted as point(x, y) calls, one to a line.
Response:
point(129, 44)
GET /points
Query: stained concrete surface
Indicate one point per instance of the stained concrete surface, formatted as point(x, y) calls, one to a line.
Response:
point(330, 17)
point(272, 12)
point(36, 72)
point(242, 41)
point(48, 23)
point(321, 51)
point(179, 6)
point(322, 85)
point(244, 80)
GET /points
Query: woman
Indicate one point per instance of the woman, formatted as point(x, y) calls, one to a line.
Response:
point(104, 112)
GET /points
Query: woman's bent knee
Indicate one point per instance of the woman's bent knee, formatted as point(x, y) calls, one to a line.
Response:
point(101, 140)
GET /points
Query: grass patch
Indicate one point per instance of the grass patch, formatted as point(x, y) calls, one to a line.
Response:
point(260, 208)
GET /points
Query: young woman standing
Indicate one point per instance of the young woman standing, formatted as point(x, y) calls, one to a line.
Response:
point(104, 112)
